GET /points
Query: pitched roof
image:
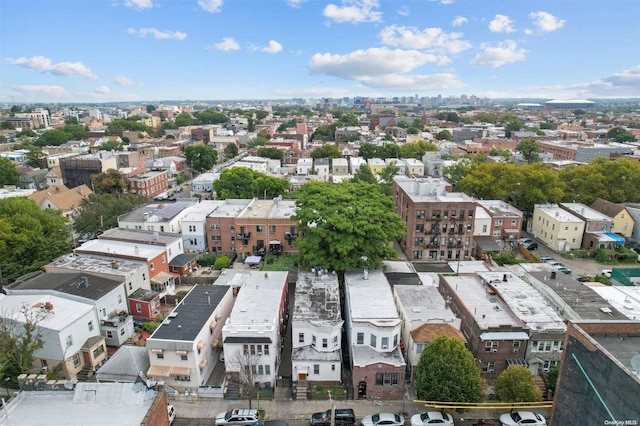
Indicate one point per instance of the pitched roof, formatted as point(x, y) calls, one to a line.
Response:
point(429, 332)
point(607, 207)
point(61, 197)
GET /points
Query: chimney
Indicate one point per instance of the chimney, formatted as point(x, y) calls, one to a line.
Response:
point(114, 264)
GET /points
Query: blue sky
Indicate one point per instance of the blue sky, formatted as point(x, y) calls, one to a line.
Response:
point(137, 50)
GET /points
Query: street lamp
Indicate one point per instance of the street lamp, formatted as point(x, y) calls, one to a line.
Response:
point(6, 385)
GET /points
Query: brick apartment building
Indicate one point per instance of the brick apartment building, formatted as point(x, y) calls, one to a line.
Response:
point(148, 184)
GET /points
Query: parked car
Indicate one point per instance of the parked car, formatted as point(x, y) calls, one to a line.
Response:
point(518, 418)
point(530, 246)
point(432, 418)
point(240, 416)
point(342, 417)
point(555, 264)
point(546, 259)
point(171, 411)
point(383, 419)
point(606, 273)
point(580, 278)
point(564, 270)
point(525, 240)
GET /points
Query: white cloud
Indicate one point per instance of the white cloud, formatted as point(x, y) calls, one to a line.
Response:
point(414, 82)
point(371, 62)
point(44, 64)
point(55, 91)
point(273, 47)
point(434, 39)
point(227, 44)
point(312, 92)
point(500, 54)
point(102, 90)
point(159, 35)
point(139, 4)
point(501, 24)
point(211, 6)
point(123, 81)
point(546, 22)
point(403, 11)
point(528, 31)
point(445, 2)
point(354, 11)
point(459, 20)
point(295, 3)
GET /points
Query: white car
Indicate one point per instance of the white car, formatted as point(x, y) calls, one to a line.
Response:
point(171, 411)
point(383, 419)
point(432, 418)
point(526, 418)
point(606, 273)
point(238, 417)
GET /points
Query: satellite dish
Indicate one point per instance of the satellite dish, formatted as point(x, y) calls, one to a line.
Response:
point(68, 385)
point(635, 364)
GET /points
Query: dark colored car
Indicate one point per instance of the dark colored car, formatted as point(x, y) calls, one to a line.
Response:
point(342, 417)
point(530, 246)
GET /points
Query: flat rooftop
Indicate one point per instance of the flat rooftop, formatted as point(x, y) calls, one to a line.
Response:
point(500, 208)
point(157, 211)
point(486, 309)
point(88, 263)
point(80, 284)
point(525, 301)
point(63, 313)
point(371, 298)
point(559, 214)
point(622, 347)
point(258, 301)
point(625, 299)
point(230, 208)
point(192, 314)
point(423, 303)
point(586, 212)
point(200, 211)
point(120, 248)
point(97, 404)
point(138, 235)
point(317, 299)
point(428, 189)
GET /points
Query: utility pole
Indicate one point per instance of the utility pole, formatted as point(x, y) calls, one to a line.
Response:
point(333, 409)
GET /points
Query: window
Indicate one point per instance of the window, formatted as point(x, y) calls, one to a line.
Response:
point(272, 228)
point(489, 367)
point(325, 343)
point(152, 267)
point(420, 348)
point(418, 241)
point(360, 339)
point(69, 340)
point(373, 341)
point(261, 370)
point(335, 340)
point(498, 222)
point(333, 367)
point(417, 254)
point(104, 312)
point(313, 341)
point(214, 227)
point(109, 335)
point(484, 229)
point(387, 379)
point(266, 349)
point(192, 228)
point(164, 259)
point(184, 357)
point(130, 286)
point(497, 233)
point(385, 343)
point(90, 325)
point(138, 307)
point(316, 369)
point(300, 337)
point(267, 369)
point(258, 228)
point(420, 214)
point(245, 349)
point(76, 360)
point(119, 299)
point(259, 349)
point(435, 214)
point(491, 346)
point(253, 349)
point(395, 340)
point(420, 228)
point(182, 378)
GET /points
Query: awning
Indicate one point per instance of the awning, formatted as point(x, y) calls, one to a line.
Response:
point(511, 231)
point(200, 344)
point(216, 343)
point(213, 324)
point(517, 361)
point(253, 260)
point(275, 243)
point(157, 351)
point(236, 339)
point(159, 371)
point(203, 364)
point(487, 244)
point(181, 352)
point(504, 335)
point(180, 371)
point(163, 277)
point(618, 239)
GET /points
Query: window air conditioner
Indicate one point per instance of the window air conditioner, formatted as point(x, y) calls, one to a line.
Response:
point(494, 350)
point(385, 347)
point(492, 370)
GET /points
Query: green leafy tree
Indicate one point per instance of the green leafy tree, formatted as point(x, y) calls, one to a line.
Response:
point(111, 146)
point(183, 119)
point(35, 157)
point(242, 182)
point(8, 172)
point(168, 125)
point(552, 377)
point(261, 114)
point(364, 174)
point(386, 175)
point(29, 237)
point(443, 135)
point(231, 150)
point(328, 150)
point(260, 140)
point(101, 211)
point(325, 133)
point(150, 108)
point(413, 130)
point(221, 263)
point(201, 157)
point(620, 134)
point(455, 172)
point(515, 384)
point(270, 152)
point(251, 124)
point(346, 226)
point(530, 150)
point(109, 182)
point(486, 117)
point(447, 371)
point(210, 116)
point(55, 137)
point(132, 124)
point(6, 125)
point(415, 149)
point(20, 339)
point(30, 133)
point(449, 116)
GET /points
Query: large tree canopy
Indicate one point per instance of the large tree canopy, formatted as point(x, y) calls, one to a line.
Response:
point(29, 237)
point(515, 384)
point(328, 150)
point(101, 211)
point(270, 152)
point(346, 226)
point(8, 172)
point(109, 182)
point(530, 150)
point(242, 182)
point(201, 157)
point(448, 372)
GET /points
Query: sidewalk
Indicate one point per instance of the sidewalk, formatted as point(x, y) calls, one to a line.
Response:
point(298, 411)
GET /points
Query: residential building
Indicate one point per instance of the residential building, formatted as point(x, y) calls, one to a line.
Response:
point(305, 166)
point(376, 165)
point(134, 273)
point(204, 182)
point(439, 223)
point(623, 221)
point(155, 258)
point(340, 166)
point(32, 178)
point(398, 163)
point(221, 226)
point(100, 404)
point(144, 304)
point(425, 316)
point(373, 329)
point(69, 330)
point(54, 178)
point(194, 226)
point(148, 184)
point(184, 349)
point(171, 242)
point(321, 168)
point(506, 220)
point(491, 329)
point(597, 227)
point(413, 167)
point(598, 379)
point(432, 164)
point(634, 212)
point(68, 201)
point(557, 228)
point(253, 332)
point(78, 170)
point(158, 216)
point(316, 329)
point(106, 295)
point(355, 163)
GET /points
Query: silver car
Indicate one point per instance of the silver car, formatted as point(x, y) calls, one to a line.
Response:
point(383, 419)
point(242, 416)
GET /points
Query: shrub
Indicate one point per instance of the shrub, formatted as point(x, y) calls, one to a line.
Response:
point(207, 259)
point(222, 262)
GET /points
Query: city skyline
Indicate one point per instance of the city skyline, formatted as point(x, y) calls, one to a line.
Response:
point(135, 50)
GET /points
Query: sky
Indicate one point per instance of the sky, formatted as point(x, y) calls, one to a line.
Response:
point(154, 50)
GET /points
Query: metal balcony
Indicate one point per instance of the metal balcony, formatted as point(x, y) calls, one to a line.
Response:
point(243, 236)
